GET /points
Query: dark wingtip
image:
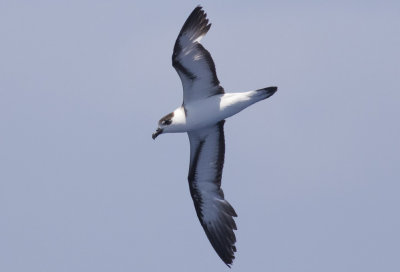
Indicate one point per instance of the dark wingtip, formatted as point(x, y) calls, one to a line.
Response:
point(196, 22)
point(270, 90)
point(229, 262)
point(198, 7)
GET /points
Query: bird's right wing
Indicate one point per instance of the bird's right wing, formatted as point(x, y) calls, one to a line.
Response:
point(193, 62)
point(207, 150)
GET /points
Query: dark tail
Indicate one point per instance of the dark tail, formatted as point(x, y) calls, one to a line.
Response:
point(267, 92)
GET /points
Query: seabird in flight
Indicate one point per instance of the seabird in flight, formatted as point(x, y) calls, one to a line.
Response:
point(202, 116)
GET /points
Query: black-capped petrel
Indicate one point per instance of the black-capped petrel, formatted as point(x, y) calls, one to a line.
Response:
point(202, 115)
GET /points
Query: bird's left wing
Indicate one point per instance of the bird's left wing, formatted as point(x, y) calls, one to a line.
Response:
point(193, 62)
point(207, 149)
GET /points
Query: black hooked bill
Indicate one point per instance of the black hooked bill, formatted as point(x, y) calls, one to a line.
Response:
point(155, 134)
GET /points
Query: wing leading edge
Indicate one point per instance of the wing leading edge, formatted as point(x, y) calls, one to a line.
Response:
point(207, 149)
point(193, 62)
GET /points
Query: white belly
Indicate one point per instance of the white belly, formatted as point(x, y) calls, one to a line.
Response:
point(210, 111)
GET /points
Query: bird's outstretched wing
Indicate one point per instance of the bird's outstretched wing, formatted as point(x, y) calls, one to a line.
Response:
point(207, 149)
point(193, 62)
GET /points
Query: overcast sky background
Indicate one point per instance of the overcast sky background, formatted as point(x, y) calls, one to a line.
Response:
point(313, 172)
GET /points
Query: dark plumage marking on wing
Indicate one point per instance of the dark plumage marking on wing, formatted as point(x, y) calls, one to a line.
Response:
point(197, 22)
point(207, 57)
point(220, 230)
point(190, 57)
point(178, 66)
point(192, 187)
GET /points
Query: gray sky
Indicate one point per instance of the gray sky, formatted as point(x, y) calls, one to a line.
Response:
point(313, 172)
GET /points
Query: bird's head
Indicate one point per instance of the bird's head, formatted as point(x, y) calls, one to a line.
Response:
point(164, 125)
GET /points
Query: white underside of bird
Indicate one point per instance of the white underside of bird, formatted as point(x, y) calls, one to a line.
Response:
point(202, 115)
point(206, 112)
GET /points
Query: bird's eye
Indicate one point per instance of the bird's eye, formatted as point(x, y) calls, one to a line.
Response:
point(166, 122)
